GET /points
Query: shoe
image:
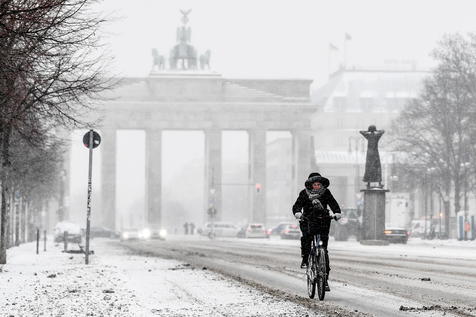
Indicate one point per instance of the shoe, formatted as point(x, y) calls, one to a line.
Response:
point(327, 288)
point(304, 263)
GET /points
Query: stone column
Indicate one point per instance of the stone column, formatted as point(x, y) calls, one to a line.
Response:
point(257, 161)
point(302, 158)
point(213, 171)
point(153, 169)
point(108, 177)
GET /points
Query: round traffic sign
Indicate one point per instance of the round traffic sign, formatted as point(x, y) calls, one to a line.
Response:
point(96, 139)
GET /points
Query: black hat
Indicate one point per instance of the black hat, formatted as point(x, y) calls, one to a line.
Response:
point(316, 178)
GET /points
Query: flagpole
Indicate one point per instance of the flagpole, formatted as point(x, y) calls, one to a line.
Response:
point(330, 62)
point(347, 38)
point(345, 51)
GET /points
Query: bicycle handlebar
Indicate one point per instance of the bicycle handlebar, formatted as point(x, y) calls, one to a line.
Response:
point(330, 215)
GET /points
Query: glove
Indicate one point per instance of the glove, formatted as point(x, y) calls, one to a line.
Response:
point(298, 215)
point(337, 216)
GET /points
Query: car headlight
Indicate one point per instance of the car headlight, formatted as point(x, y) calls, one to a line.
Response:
point(146, 234)
point(125, 235)
point(162, 233)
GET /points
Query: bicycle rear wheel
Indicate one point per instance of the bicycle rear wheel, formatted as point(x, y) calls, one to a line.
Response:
point(311, 275)
point(321, 275)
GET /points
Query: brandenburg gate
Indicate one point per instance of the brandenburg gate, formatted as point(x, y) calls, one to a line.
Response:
point(187, 95)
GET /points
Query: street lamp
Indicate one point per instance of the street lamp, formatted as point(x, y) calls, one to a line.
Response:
point(465, 166)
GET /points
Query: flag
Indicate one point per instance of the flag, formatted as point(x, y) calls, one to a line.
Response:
point(348, 37)
point(332, 47)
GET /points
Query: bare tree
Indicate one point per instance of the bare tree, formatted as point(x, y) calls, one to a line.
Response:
point(436, 129)
point(50, 71)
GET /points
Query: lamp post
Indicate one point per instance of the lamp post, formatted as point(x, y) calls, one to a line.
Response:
point(465, 166)
point(425, 204)
point(356, 145)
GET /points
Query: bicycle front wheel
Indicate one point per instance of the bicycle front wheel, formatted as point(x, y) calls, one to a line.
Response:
point(311, 276)
point(321, 275)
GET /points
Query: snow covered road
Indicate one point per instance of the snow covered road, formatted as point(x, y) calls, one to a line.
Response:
point(382, 281)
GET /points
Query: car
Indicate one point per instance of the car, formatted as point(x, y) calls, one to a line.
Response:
point(102, 232)
point(291, 231)
point(348, 225)
point(220, 229)
point(276, 231)
point(156, 233)
point(70, 230)
point(253, 230)
point(131, 234)
point(397, 235)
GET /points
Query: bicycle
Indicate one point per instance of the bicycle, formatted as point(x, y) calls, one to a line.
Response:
point(316, 271)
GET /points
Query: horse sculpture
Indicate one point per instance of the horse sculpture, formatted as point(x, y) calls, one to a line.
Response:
point(205, 60)
point(158, 60)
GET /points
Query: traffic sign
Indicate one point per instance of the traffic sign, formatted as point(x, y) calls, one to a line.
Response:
point(212, 211)
point(96, 139)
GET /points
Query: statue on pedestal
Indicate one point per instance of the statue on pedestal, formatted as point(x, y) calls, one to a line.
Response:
point(183, 55)
point(373, 168)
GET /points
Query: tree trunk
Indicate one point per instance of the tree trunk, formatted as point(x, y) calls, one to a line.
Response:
point(17, 220)
point(5, 194)
point(24, 221)
point(457, 192)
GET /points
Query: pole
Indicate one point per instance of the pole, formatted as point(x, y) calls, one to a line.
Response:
point(65, 241)
point(44, 240)
point(88, 212)
point(440, 215)
point(37, 240)
point(425, 206)
point(431, 207)
point(465, 204)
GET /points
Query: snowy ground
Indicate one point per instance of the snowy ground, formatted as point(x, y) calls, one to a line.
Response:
point(118, 283)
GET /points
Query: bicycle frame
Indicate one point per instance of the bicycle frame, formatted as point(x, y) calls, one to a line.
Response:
point(317, 267)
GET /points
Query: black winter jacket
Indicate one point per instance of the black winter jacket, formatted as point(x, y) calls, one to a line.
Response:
point(303, 203)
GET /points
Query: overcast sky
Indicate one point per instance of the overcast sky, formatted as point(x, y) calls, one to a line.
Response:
point(284, 38)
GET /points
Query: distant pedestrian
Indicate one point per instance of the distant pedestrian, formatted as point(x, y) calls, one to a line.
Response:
point(185, 228)
point(192, 228)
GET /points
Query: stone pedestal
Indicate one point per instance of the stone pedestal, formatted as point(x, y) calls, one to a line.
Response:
point(373, 220)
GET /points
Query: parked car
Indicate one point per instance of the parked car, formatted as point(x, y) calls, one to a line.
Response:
point(276, 231)
point(291, 231)
point(220, 229)
point(72, 230)
point(253, 230)
point(102, 232)
point(397, 235)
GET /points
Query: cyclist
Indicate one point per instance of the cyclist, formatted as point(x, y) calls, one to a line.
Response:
point(311, 204)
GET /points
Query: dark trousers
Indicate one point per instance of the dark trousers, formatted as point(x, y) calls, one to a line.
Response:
point(310, 229)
